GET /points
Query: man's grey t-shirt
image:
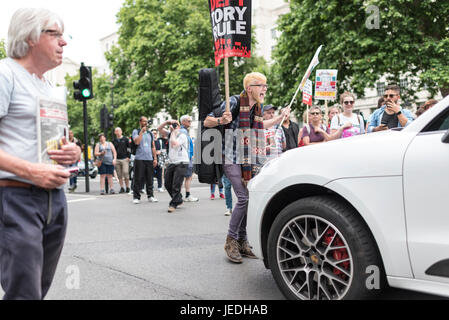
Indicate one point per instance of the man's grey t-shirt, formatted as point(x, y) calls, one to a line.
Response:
point(144, 151)
point(19, 92)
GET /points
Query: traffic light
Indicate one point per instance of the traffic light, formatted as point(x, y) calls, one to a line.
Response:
point(83, 87)
point(110, 120)
point(104, 118)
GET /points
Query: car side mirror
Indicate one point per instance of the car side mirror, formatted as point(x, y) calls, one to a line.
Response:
point(445, 138)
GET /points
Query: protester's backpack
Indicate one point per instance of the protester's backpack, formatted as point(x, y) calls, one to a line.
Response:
point(208, 100)
point(134, 146)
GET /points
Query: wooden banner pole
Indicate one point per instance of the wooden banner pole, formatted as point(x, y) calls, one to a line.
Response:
point(326, 114)
point(226, 68)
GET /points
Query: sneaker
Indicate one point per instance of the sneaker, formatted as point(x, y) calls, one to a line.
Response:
point(143, 191)
point(222, 196)
point(171, 209)
point(152, 199)
point(136, 201)
point(191, 199)
point(212, 196)
point(245, 249)
point(102, 192)
point(228, 212)
point(232, 249)
point(128, 190)
point(122, 190)
point(161, 190)
point(112, 191)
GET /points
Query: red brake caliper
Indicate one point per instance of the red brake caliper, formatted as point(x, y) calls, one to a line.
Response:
point(338, 254)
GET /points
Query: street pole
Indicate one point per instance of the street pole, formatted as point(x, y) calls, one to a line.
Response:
point(112, 103)
point(86, 146)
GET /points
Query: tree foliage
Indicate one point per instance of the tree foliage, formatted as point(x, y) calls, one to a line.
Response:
point(410, 43)
point(162, 46)
point(2, 49)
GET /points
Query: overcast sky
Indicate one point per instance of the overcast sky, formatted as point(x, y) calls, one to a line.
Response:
point(85, 21)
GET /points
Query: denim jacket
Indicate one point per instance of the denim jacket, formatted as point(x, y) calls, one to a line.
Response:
point(376, 118)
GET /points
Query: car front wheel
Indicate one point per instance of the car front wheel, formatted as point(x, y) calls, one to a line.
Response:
point(319, 249)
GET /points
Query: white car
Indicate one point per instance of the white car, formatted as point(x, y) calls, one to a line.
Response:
point(335, 220)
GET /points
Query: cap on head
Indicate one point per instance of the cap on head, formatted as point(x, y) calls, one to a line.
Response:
point(268, 107)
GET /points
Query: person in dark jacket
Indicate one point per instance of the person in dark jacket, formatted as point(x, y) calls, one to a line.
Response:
point(122, 147)
point(291, 132)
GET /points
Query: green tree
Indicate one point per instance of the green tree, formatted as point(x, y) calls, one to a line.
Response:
point(162, 46)
point(410, 42)
point(2, 49)
point(102, 92)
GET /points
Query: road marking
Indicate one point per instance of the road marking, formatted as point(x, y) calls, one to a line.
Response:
point(81, 200)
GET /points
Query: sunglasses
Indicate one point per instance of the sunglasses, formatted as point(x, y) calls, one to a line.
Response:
point(348, 102)
point(259, 85)
point(315, 113)
point(391, 96)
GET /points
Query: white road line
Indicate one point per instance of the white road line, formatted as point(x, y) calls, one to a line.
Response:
point(81, 200)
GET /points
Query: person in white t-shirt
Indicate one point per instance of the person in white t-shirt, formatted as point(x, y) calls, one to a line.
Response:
point(178, 158)
point(33, 214)
point(347, 124)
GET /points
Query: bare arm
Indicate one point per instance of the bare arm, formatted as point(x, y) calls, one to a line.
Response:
point(40, 174)
point(153, 149)
point(164, 132)
point(139, 138)
point(114, 152)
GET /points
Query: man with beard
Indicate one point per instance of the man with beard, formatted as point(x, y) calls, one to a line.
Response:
point(390, 115)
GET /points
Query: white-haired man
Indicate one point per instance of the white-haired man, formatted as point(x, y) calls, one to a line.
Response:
point(186, 122)
point(33, 215)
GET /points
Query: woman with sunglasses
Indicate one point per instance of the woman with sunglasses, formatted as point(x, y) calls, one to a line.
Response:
point(315, 131)
point(347, 124)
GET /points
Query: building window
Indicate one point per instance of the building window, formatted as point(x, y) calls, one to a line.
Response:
point(380, 88)
point(273, 34)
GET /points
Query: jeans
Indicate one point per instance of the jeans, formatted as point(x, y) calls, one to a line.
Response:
point(228, 192)
point(31, 240)
point(237, 225)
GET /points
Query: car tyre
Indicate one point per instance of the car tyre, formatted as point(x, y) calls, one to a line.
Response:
point(302, 259)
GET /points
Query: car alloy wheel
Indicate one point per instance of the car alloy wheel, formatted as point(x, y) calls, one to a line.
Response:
point(319, 248)
point(314, 259)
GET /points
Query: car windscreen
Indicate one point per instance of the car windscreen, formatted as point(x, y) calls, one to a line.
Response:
point(439, 123)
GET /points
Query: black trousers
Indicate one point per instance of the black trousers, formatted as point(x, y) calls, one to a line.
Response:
point(143, 173)
point(174, 177)
point(31, 240)
point(158, 175)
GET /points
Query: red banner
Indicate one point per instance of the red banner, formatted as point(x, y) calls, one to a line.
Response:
point(231, 28)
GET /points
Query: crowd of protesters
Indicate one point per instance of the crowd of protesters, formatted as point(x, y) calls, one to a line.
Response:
point(166, 153)
point(28, 188)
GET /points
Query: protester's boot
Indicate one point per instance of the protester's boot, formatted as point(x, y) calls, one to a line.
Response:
point(232, 250)
point(245, 249)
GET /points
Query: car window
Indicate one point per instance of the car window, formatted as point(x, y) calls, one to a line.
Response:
point(441, 122)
